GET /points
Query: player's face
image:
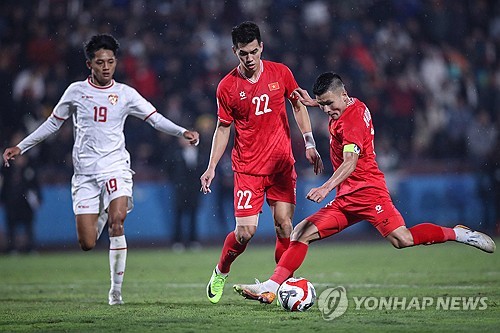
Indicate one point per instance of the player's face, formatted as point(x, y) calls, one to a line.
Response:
point(333, 103)
point(102, 67)
point(249, 56)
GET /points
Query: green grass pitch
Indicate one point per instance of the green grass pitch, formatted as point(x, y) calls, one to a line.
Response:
point(165, 291)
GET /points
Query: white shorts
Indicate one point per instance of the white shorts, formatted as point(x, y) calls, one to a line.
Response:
point(93, 193)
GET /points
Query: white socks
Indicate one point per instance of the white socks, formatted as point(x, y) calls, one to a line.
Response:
point(270, 285)
point(217, 270)
point(117, 260)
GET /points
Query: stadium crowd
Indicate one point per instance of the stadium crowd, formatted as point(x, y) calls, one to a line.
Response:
point(428, 70)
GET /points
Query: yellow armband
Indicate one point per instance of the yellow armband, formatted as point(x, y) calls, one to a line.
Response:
point(352, 148)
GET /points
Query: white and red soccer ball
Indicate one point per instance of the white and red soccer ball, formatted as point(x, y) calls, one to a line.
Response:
point(296, 294)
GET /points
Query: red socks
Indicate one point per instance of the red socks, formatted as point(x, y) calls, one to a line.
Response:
point(281, 246)
point(428, 233)
point(290, 261)
point(230, 251)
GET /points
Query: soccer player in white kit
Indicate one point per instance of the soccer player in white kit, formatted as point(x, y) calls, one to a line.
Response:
point(102, 182)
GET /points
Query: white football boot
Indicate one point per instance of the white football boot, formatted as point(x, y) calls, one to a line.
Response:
point(474, 238)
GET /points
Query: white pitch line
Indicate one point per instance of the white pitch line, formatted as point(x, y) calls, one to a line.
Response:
point(402, 286)
point(349, 286)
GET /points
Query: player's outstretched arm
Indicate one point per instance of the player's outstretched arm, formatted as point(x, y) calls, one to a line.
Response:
point(302, 118)
point(49, 126)
point(219, 144)
point(303, 96)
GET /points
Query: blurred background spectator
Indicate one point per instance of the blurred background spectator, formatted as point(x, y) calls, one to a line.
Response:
point(21, 196)
point(428, 70)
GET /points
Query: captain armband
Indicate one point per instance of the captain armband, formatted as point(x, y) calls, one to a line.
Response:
point(352, 148)
point(309, 140)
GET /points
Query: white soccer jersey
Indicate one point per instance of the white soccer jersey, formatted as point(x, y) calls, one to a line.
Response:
point(99, 115)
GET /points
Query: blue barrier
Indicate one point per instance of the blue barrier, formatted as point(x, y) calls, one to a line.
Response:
point(443, 199)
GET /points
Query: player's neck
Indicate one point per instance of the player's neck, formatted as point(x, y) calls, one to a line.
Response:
point(100, 84)
point(251, 75)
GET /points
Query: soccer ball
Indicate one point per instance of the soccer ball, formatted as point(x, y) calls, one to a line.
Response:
point(296, 294)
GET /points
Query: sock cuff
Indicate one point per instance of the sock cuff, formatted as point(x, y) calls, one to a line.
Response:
point(117, 243)
point(449, 233)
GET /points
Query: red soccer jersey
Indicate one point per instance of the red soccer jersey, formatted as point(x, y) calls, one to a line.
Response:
point(262, 143)
point(355, 126)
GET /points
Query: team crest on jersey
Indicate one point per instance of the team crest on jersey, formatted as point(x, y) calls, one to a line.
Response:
point(113, 99)
point(242, 95)
point(274, 86)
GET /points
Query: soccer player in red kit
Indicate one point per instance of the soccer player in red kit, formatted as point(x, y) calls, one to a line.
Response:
point(252, 96)
point(361, 191)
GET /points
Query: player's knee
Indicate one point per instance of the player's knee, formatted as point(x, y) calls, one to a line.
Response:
point(116, 221)
point(402, 242)
point(86, 245)
point(304, 232)
point(401, 238)
point(118, 217)
point(244, 234)
point(283, 227)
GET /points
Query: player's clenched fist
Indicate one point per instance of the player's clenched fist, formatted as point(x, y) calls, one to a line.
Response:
point(10, 154)
point(192, 136)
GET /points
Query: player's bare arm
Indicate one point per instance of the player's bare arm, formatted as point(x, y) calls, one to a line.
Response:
point(192, 136)
point(219, 144)
point(304, 98)
point(302, 118)
point(10, 154)
point(317, 194)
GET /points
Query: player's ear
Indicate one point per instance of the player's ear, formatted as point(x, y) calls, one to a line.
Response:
point(345, 97)
point(88, 63)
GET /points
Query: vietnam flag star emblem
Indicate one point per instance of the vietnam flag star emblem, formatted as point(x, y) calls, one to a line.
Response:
point(274, 86)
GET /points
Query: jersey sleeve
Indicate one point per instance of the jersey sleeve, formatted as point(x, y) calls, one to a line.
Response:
point(290, 82)
point(137, 105)
point(65, 107)
point(355, 132)
point(224, 112)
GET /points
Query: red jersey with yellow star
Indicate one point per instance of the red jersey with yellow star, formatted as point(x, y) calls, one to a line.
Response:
point(355, 127)
point(262, 143)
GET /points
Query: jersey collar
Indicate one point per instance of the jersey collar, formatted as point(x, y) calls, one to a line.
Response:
point(249, 79)
point(100, 87)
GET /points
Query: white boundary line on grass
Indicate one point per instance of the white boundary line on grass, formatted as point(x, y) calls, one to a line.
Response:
point(355, 285)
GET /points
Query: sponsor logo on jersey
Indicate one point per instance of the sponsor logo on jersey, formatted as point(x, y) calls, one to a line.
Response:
point(274, 86)
point(113, 99)
point(242, 95)
point(87, 97)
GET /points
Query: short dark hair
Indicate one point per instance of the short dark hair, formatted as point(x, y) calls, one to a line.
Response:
point(97, 42)
point(245, 33)
point(328, 81)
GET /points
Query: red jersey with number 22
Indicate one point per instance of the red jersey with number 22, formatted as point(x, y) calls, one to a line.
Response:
point(355, 126)
point(262, 143)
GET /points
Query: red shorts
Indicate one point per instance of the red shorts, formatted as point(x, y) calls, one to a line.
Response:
point(374, 206)
point(249, 191)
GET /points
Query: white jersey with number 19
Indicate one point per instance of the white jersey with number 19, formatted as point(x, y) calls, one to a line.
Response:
point(99, 115)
